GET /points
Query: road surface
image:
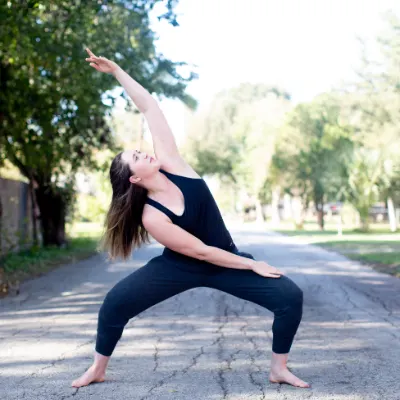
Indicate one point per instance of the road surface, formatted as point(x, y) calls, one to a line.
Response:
point(205, 344)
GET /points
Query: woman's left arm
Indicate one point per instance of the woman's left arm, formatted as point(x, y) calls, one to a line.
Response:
point(164, 144)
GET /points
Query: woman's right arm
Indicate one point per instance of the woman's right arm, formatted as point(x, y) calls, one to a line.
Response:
point(181, 241)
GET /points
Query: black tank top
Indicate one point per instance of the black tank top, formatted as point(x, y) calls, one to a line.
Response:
point(201, 216)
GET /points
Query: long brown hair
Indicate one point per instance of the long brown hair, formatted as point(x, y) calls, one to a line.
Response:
point(124, 227)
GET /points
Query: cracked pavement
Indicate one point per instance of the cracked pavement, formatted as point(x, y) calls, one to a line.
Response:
point(206, 344)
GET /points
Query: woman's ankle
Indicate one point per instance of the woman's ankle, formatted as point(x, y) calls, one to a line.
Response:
point(100, 362)
point(279, 361)
point(98, 368)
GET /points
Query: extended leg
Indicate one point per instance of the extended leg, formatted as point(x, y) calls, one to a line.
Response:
point(279, 295)
point(156, 281)
point(147, 286)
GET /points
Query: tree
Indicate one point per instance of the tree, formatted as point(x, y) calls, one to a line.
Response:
point(257, 127)
point(347, 147)
point(51, 113)
point(392, 195)
point(234, 138)
point(374, 113)
point(312, 153)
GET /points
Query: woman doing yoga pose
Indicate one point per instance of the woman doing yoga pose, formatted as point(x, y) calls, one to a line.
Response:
point(166, 198)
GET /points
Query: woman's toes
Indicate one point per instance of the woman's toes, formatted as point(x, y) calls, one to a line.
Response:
point(302, 384)
point(285, 376)
point(90, 376)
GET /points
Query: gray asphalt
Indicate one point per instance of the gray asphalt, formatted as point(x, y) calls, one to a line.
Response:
point(205, 344)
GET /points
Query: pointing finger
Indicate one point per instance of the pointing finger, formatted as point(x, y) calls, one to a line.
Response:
point(90, 52)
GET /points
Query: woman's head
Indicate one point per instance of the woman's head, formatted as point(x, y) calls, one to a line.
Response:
point(129, 173)
point(142, 166)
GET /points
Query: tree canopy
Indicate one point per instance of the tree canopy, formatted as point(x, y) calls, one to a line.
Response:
point(341, 146)
point(234, 138)
point(52, 105)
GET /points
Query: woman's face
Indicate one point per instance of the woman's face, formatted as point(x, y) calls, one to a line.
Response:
point(141, 164)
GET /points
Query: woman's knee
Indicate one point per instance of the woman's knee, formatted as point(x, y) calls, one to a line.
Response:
point(113, 304)
point(297, 295)
point(107, 309)
point(293, 295)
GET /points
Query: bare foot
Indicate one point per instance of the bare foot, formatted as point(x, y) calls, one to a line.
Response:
point(92, 375)
point(285, 376)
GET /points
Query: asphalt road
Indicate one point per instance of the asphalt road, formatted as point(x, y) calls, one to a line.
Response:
point(205, 344)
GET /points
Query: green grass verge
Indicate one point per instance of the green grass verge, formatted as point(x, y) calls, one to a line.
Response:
point(379, 248)
point(40, 258)
point(17, 267)
point(384, 256)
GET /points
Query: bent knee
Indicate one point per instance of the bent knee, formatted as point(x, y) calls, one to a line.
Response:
point(298, 296)
point(293, 294)
point(113, 302)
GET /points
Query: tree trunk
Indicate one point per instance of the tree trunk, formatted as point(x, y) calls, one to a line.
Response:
point(364, 218)
point(1, 226)
point(298, 212)
point(259, 212)
point(364, 224)
point(320, 214)
point(33, 213)
point(52, 208)
point(235, 200)
point(340, 223)
point(392, 215)
point(276, 194)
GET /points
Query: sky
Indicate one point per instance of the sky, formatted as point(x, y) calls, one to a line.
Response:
point(303, 46)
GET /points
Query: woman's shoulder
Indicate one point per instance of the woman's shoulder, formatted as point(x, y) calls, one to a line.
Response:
point(152, 215)
point(179, 168)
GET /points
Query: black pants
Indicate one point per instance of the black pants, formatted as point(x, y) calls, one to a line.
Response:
point(162, 278)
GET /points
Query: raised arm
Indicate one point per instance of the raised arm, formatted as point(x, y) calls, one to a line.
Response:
point(165, 147)
point(181, 241)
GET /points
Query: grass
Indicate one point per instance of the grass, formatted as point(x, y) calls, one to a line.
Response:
point(379, 248)
point(41, 257)
point(16, 267)
point(84, 229)
point(382, 255)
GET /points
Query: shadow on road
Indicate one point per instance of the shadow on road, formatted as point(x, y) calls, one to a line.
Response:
point(207, 341)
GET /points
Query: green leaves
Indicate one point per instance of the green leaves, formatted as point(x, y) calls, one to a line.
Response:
point(52, 115)
point(234, 139)
point(311, 152)
point(51, 110)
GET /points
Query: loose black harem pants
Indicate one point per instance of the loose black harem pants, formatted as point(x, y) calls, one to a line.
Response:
point(162, 278)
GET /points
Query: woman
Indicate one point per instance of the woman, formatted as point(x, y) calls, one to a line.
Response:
point(164, 197)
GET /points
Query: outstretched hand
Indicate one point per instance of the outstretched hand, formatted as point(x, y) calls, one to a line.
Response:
point(102, 64)
point(266, 270)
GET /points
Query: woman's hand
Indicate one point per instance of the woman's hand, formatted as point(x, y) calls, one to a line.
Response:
point(263, 269)
point(102, 64)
